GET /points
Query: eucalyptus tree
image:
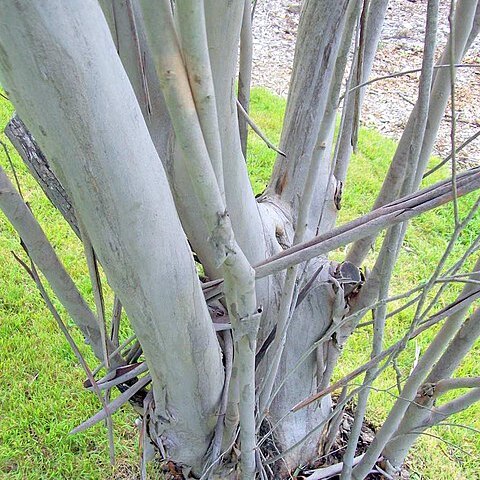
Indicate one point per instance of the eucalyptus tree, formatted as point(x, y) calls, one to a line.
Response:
point(127, 115)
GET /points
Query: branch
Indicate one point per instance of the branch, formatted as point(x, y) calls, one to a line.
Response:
point(239, 276)
point(454, 406)
point(191, 22)
point(318, 39)
point(257, 130)
point(448, 384)
point(245, 74)
point(127, 28)
point(397, 173)
point(32, 271)
point(372, 223)
point(407, 72)
point(458, 149)
point(43, 254)
point(454, 307)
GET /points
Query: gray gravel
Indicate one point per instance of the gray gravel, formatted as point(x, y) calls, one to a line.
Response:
point(388, 102)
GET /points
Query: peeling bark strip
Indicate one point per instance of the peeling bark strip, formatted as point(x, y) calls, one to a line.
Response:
point(32, 156)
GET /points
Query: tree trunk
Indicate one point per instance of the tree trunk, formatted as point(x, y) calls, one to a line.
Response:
point(116, 181)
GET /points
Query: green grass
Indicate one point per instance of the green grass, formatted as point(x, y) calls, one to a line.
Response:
point(41, 396)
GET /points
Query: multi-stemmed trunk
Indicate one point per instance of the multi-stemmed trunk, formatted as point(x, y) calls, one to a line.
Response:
point(134, 106)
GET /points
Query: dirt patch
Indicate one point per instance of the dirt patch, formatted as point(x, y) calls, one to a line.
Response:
point(388, 102)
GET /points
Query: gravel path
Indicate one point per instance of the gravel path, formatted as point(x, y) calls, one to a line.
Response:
point(388, 102)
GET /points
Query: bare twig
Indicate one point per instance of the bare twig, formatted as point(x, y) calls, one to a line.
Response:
point(257, 130)
point(12, 166)
point(412, 70)
point(445, 312)
point(220, 426)
point(458, 149)
point(113, 406)
point(245, 72)
point(32, 271)
point(116, 316)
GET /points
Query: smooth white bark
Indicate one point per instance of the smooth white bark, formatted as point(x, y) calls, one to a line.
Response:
point(69, 86)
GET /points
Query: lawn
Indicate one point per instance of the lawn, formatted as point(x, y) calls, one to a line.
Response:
point(41, 396)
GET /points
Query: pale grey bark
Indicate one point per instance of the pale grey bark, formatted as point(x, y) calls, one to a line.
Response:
point(353, 100)
point(62, 81)
point(223, 21)
point(328, 200)
point(418, 375)
point(397, 448)
point(192, 28)
point(132, 187)
point(239, 285)
point(391, 245)
point(126, 24)
point(318, 39)
point(374, 222)
point(465, 14)
point(44, 256)
point(245, 71)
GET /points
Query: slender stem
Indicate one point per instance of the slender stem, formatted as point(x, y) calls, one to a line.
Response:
point(245, 72)
point(457, 150)
point(44, 256)
point(285, 309)
point(453, 123)
point(445, 312)
point(257, 130)
point(412, 70)
point(32, 271)
point(194, 46)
